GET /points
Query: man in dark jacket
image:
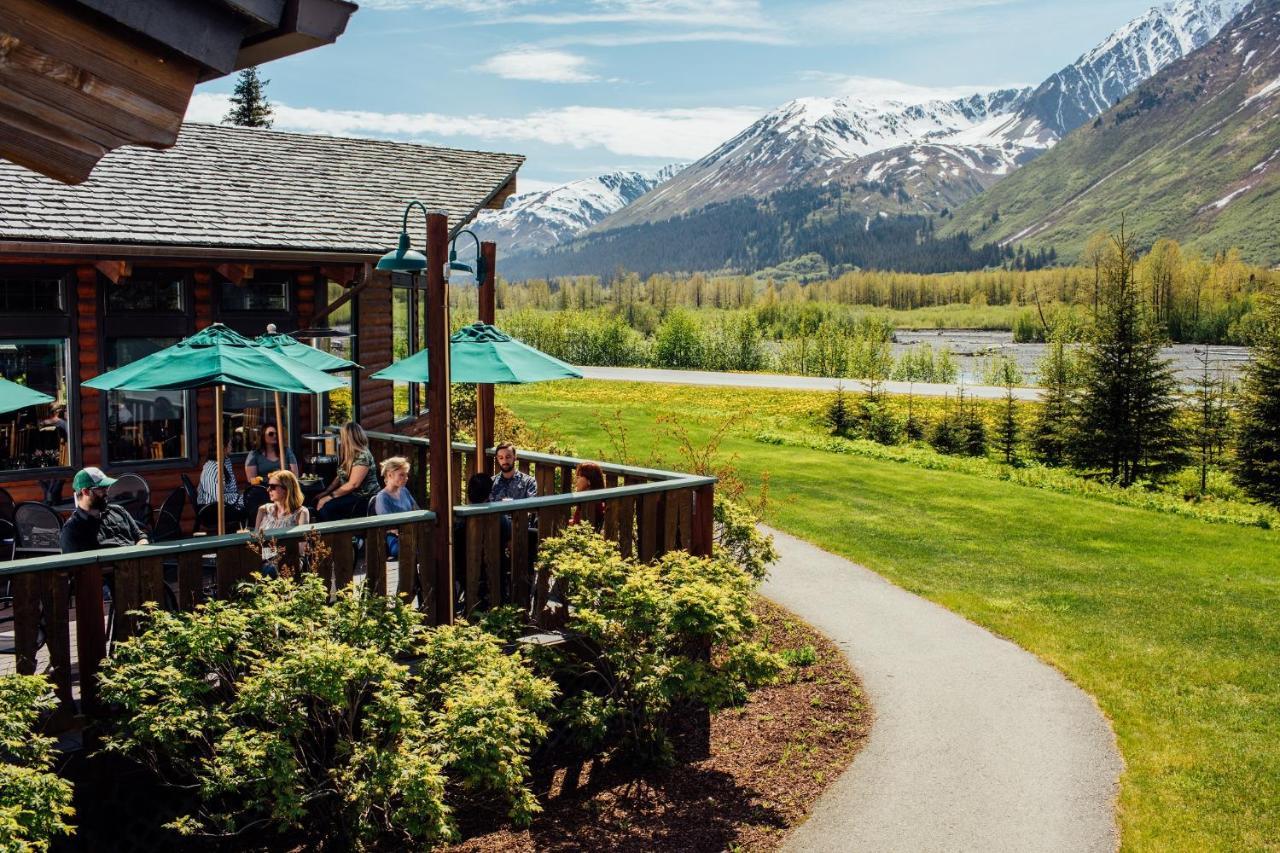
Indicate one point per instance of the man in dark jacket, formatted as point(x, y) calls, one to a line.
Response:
point(96, 523)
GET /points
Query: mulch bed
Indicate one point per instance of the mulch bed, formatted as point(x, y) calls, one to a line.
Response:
point(769, 760)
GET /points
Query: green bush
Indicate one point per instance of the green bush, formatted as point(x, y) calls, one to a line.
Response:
point(35, 804)
point(738, 540)
point(655, 627)
point(284, 711)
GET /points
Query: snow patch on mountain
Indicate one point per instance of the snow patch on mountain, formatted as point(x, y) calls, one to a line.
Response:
point(536, 221)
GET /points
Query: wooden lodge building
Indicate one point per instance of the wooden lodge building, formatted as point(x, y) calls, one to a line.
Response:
point(241, 226)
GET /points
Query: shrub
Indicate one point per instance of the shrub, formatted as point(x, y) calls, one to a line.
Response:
point(654, 627)
point(287, 712)
point(35, 804)
point(839, 415)
point(739, 541)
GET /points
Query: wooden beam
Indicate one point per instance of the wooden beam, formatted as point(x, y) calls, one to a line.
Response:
point(437, 340)
point(366, 276)
point(500, 197)
point(113, 271)
point(485, 403)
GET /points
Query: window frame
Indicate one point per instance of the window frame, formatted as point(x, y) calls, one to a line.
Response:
point(416, 285)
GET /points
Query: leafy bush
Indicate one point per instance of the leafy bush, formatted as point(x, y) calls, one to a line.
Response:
point(738, 540)
point(806, 655)
point(654, 626)
point(287, 712)
point(35, 804)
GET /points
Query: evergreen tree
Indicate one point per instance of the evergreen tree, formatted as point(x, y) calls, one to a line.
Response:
point(1125, 419)
point(1258, 442)
point(249, 104)
point(1050, 434)
point(1007, 431)
point(1213, 415)
point(838, 416)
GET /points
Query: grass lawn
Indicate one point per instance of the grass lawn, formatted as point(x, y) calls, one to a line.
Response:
point(1173, 624)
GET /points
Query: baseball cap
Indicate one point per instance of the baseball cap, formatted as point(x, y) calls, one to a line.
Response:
point(91, 478)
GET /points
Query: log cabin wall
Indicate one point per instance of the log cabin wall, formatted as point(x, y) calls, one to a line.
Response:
point(84, 329)
point(374, 404)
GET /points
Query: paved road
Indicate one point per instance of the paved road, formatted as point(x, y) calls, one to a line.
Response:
point(976, 745)
point(808, 383)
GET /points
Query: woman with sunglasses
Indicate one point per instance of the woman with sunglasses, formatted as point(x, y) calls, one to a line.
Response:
point(284, 511)
point(265, 458)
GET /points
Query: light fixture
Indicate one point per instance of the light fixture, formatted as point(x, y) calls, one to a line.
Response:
point(402, 258)
point(455, 264)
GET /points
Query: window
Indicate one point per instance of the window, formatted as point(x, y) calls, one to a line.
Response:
point(144, 425)
point(147, 292)
point(408, 336)
point(35, 437)
point(245, 411)
point(261, 295)
point(338, 407)
point(31, 294)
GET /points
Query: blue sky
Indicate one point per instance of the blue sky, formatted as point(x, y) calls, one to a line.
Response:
point(583, 88)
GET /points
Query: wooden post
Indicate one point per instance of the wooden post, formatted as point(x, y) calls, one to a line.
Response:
point(217, 436)
point(704, 521)
point(91, 639)
point(439, 432)
point(487, 296)
point(281, 446)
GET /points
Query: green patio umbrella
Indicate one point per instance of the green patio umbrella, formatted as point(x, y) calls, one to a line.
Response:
point(14, 396)
point(485, 355)
point(308, 355)
point(216, 357)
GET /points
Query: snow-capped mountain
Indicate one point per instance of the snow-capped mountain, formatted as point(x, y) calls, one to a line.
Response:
point(536, 221)
point(967, 143)
point(1093, 83)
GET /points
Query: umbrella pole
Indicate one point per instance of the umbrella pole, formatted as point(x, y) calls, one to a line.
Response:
point(480, 448)
point(282, 445)
point(217, 436)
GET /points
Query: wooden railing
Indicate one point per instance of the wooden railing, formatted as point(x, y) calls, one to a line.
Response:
point(645, 511)
point(47, 631)
point(60, 627)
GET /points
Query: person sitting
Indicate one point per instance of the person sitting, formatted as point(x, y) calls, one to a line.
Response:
point(394, 497)
point(96, 523)
point(207, 493)
point(479, 485)
point(265, 458)
point(356, 482)
point(589, 478)
point(284, 511)
point(510, 484)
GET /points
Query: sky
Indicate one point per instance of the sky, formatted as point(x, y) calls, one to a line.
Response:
point(588, 87)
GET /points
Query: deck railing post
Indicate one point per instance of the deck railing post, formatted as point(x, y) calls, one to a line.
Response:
point(485, 405)
point(91, 639)
point(440, 434)
point(704, 520)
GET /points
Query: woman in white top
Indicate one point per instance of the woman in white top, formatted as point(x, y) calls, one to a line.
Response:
point(284, 511)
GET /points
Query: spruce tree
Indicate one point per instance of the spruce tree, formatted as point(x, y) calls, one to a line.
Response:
point(1050, 434)
point(1007, 431)
point(1125, 423)
point(1213, 414)
point(249, 104)
point(1258, 442)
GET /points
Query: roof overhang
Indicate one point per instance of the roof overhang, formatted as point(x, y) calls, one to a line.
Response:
point(79, 78)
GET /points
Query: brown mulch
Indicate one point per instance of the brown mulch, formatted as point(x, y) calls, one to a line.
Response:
point(769, 760)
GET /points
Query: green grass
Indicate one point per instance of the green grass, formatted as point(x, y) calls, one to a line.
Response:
point(1171, 623)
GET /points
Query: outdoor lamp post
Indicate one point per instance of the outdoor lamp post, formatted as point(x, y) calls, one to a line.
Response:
point(405, 259)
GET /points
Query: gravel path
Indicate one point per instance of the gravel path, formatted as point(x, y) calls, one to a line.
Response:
point(806, 383)
point(976, 744)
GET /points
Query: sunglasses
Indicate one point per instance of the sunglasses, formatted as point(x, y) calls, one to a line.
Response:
point(271, 486)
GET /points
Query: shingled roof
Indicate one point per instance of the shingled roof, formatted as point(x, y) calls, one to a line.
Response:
point(247, 188)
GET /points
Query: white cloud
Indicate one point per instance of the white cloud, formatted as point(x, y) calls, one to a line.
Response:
point(675, 134)
point(881, 89)
point(546, 66)
point(861, 19)
point(670, 37)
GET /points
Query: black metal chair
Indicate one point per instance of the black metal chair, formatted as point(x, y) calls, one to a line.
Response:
point(7, 505)
point(39, 529)
point(168, 524)
point(192, 493)
point(134, 494)
point(8, 548)
point(254, 498)
point(207, 518)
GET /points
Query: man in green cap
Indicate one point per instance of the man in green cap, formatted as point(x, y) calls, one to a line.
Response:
point(96, 523)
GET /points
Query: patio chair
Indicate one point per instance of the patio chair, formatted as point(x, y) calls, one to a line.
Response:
point(254, 497)
point(169, 517)
point(8, 547)
point(134, 494)
point(6, 506)
point(207, 518)
point(39, 529)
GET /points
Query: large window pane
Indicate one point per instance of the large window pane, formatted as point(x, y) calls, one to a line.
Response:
point(337, 407)
point(402, 345)
point(245, 411)
point(146, 292)
point(35, 437)
point(144, 425)
point(258, 295)
point(30, 294)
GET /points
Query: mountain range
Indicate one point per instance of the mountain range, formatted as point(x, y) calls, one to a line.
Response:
point(1193, 154)
point(861, 159)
